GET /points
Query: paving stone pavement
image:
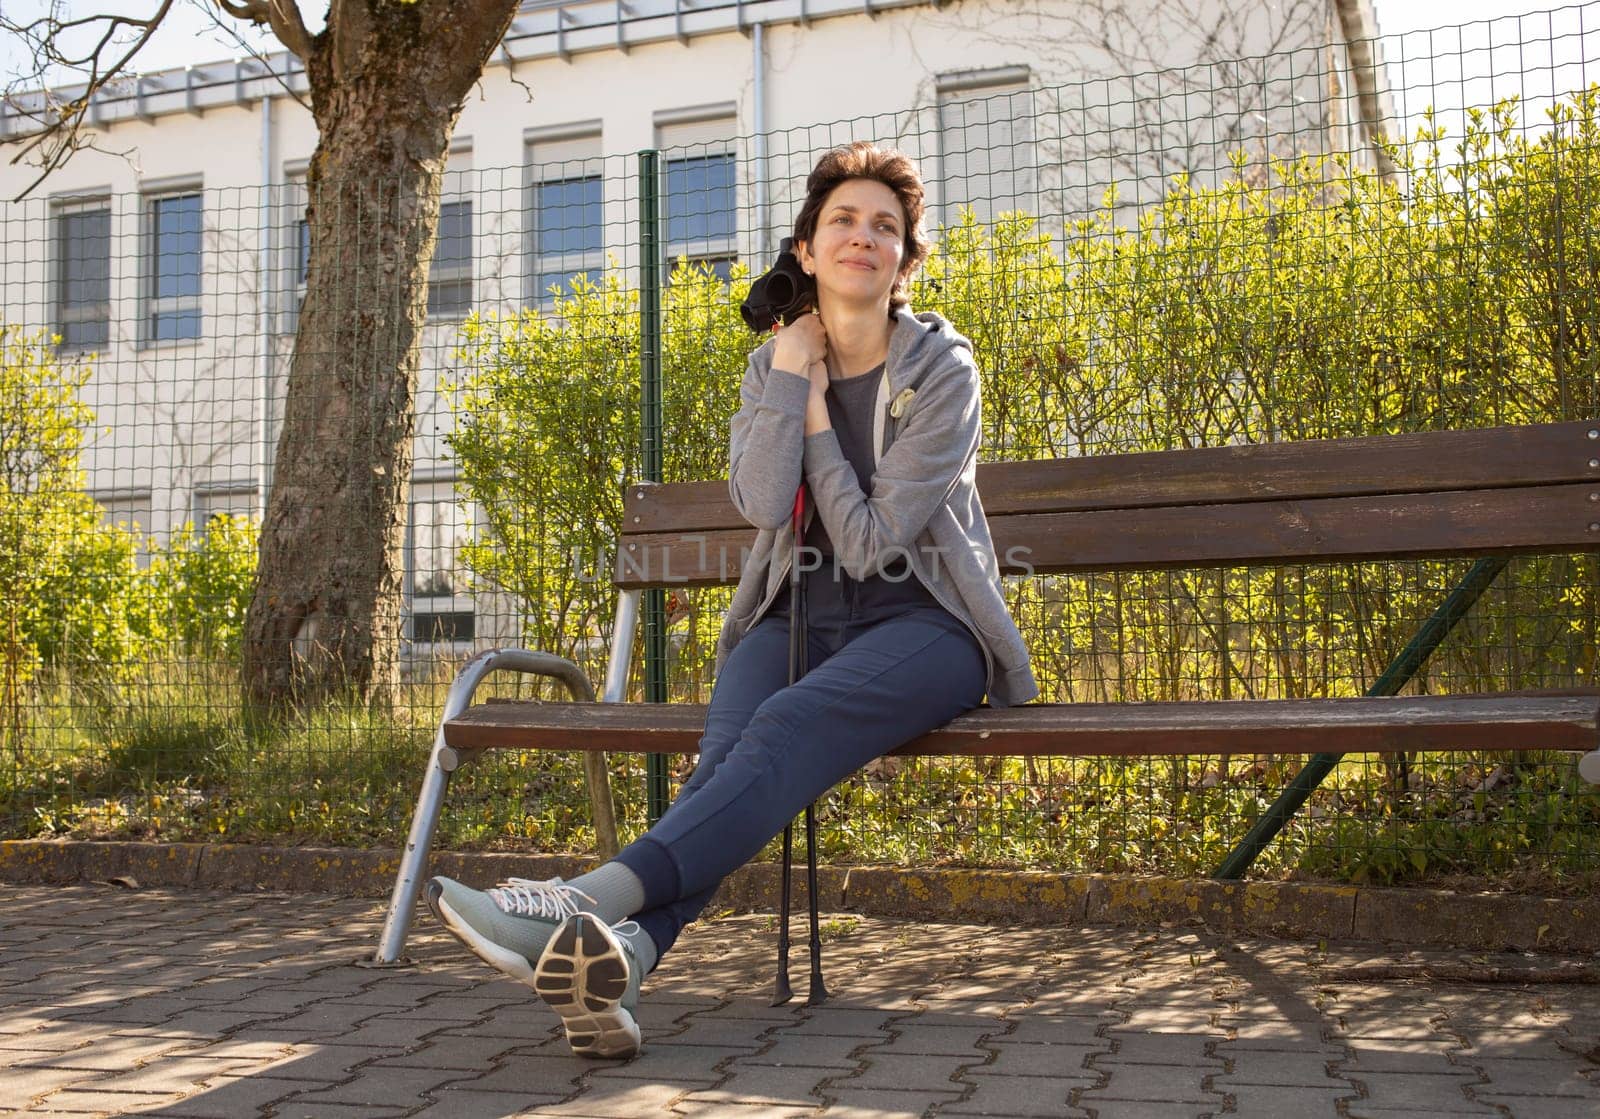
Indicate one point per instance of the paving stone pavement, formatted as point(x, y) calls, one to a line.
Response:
point(171, 1003)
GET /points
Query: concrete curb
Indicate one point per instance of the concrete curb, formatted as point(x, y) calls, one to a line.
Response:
point(1297, 910)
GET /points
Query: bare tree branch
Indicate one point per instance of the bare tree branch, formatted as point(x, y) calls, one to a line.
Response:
point(59, 122)
point(56, 121)
point(283, 16)
point(222, 21)
point(477, 28)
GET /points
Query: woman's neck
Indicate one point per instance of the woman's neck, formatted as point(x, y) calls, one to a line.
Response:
point(858, 337)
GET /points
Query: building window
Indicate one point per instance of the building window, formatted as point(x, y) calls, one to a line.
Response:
point(223, 501)
point(986, 139)
point(130, 511)
point(450, 274)
point(566, 209)
point(439, 607)
point(302, 255)
point(172, 268)
point(568, 232)
point(83, 275)
point(302, 263)
point(701, 216)
point(430, 627)
point(699, 177)
point(295, 248)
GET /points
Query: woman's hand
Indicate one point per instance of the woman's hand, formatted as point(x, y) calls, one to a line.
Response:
point(817, 418)
point(801, 345)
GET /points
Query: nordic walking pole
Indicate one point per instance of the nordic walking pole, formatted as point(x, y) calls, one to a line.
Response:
point(797, 639)
point(783, 992)
point(819, 992)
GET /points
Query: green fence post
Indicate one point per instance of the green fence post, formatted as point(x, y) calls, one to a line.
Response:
point(650, 424)
point(1400, 670)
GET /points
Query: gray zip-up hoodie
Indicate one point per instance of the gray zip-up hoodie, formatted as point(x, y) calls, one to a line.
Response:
point(924, 502)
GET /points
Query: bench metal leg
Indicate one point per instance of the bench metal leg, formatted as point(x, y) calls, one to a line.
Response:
point(1404, 666)
point(443, 761)
point(622, 633)
point(596, 775)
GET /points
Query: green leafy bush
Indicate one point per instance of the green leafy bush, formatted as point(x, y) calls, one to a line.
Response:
point(1305, 300)
point(547, 436)
point(69, 584)
point(203, 584)
point(72, 592)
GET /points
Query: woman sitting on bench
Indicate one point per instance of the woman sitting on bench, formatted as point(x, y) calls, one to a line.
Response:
point(876, 408)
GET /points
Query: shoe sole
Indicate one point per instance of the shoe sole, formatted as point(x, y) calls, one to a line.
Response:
point(582, 975)
point(504, 960)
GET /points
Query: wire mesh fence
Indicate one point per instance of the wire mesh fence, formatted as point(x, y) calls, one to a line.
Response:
point(1181, 258)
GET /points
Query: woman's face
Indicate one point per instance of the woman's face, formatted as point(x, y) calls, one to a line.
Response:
point(859, 243)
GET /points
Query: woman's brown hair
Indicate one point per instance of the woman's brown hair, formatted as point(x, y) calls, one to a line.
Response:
point(892, 168)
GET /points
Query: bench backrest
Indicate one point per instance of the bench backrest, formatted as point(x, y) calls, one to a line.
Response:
point(1494, 491)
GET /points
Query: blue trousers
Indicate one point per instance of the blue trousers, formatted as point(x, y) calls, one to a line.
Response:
point(887, 664)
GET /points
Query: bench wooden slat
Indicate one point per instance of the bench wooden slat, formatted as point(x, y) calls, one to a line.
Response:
point(1564, 720)
point(1419, 462)
point(1404, 526)
point(1399, 526)
point(1416, 462)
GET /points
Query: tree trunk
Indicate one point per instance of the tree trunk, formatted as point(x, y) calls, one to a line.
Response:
point(1360, 37)
point(387, 85)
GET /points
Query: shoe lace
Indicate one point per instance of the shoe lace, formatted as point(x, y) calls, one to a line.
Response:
point(551, 899)
point(628, 929)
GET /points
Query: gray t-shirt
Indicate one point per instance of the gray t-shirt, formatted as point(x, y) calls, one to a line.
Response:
point(850, 406)
point(851, 402)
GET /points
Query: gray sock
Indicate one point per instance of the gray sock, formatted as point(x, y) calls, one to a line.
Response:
point(616, 890)
point(644, 949)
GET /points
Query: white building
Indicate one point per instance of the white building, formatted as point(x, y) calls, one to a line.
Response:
point(172, 250)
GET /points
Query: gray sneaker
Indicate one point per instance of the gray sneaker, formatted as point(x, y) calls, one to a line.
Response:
point(588, 975)
point(506, 927)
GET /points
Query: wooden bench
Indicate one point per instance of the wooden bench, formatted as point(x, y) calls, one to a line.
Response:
point(1492, 493)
